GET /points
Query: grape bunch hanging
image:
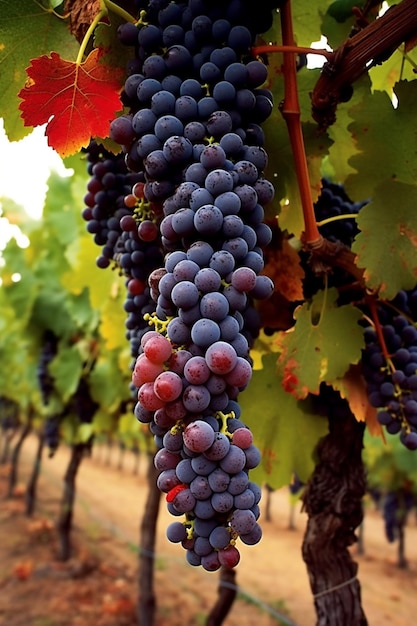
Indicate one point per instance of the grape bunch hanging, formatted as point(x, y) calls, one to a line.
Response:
point(389, 357)
point(195, 100)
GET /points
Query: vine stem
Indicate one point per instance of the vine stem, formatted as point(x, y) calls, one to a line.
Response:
point(337, 218)
point(89, 34)
point(290, 110)
point(268, 49)
point(374, 315)
point(105, 7)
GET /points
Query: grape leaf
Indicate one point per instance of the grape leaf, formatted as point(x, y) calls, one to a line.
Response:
point(84, 433)
point(82, 255)
point(352, 387)
point(325, 340)
point(389, 462)
point(283, 266)
point(112, 323)
point(103, 421)
point(307, 16)
point(83, 316)
point(264, 344)
point(386, 247)
point(76, 101)
point(377, 129)
point(285, 430)
point(344, 144)
point(27, 30)
point(397, 67)
point(106, 395)
point(66, 369)
point(21, 294)
point(341, 10)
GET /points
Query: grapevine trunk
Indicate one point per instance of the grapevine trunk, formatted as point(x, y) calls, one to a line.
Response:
point(67, 505)
point(333, 502)
point(30, 495)
point(146, 595)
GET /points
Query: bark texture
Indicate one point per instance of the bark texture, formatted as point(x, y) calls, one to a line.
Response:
point(13, 476)
point(146, 592)
point(30, 496)
point(67, 505)
point(227, 591)
point(333, 502)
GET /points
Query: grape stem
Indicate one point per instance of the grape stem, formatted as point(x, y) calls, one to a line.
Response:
point(80, 56)
point(268, 49)
point(105, 7)
point(290, 109)
point(371, 45)
point(378, 329)
point(335, 218)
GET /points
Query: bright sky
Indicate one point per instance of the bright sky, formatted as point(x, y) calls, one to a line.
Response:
point(24, 168)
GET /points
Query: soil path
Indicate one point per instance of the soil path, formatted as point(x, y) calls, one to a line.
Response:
point(272, 576)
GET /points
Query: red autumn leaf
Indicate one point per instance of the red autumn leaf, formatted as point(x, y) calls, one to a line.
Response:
point(76, 101)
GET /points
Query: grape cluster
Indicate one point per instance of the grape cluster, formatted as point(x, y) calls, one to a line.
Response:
point(51, 433)
point(296, 485)
point(389, 366)
point(205, 451)
point(196, 100)
point(107, 187)
point(334, 202)
point(82, 403)
point(48, 352)
point(124, 225)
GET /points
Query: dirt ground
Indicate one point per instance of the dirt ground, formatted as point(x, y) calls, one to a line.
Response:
point(98, 586)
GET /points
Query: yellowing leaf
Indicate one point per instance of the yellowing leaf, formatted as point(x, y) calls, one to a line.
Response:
point(352, 387)
point(324, 342)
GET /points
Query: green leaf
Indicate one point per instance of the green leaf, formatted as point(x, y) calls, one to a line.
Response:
point(27, 30)
point(49, 311)
point(386, 139)
point(84, 433)
point(107, 386)
point(324, 342)
point(21, 294)
point(284, 429)
point(341, 10)
point(307, 17)
point(389, 464)
point(59, 217)
point(387, 244)
point(82, 255)
point(344, 145)
point(338, 21)
point(103, 421)
point(83, 316)
point(112, 321)
point(396, 68)
point(66, 370)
